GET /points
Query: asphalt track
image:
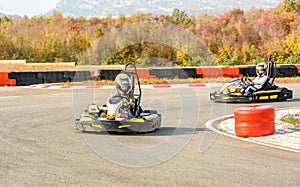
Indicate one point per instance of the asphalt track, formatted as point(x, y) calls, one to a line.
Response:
point(40, 147)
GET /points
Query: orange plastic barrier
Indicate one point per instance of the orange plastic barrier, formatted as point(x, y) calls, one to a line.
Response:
point(5, 81)
point(254, 120)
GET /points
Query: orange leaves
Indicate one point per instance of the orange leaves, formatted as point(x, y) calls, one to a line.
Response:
point(236, 37)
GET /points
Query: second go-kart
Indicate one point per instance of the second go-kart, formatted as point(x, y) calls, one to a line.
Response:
point(122, 112)
point(231, 92)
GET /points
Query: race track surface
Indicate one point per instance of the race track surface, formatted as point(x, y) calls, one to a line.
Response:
point(40, 147)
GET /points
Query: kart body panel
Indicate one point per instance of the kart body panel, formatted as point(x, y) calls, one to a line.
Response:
point(121, 113)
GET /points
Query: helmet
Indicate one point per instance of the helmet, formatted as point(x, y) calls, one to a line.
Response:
point(123, 84)
point(261, 69)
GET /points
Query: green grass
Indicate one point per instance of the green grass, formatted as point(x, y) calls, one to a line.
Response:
point(293, 119)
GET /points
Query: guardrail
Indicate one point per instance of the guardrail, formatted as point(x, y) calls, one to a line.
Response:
point(29, 78)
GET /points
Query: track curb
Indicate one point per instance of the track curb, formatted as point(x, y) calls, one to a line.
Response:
point(153, 86)
point(210, 124)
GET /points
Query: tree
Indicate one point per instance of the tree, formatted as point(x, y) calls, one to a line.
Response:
point(289, 6)
point(292, 47)
point(180, 17)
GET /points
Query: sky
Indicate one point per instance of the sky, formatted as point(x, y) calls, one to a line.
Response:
point(27, 7)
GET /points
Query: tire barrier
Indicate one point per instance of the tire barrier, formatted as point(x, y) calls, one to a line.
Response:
point(78, 76)
point(107, 74)
point(69, 76)
point(248, 71)
point(29, 78)
point(189, 73)
point(254, 120)
point(26, 78)
point(65, 76)
point(51, 77)
point(281, 71)
point(287, 71)
point(163, 73)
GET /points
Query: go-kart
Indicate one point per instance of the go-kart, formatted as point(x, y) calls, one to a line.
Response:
point(269, 92)
point(122, 112)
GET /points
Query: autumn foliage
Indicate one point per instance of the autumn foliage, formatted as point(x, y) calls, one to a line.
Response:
point(237, 37)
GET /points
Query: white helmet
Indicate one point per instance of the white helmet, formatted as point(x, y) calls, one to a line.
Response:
point(261, 69)
point(123, 84)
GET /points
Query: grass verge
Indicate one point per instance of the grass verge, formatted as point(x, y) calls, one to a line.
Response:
point(292, 119)
point(278, 81)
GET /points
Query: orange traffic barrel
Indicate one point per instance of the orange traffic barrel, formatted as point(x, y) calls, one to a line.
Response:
point(254, 120)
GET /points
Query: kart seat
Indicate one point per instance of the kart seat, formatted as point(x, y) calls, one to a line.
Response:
point(136, 98)
point(271, 74)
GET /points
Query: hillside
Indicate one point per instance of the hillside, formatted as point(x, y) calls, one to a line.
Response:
point(103, 8)
point(236, 37)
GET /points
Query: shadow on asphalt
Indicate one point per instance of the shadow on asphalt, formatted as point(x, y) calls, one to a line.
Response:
point(162, 131)
point(260, 102)
point(175, 131)
point(293, 100)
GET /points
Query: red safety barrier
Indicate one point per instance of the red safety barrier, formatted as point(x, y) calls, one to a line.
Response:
point(231, 72)
point(209, 72)
point(254, 120)
point(5, 81)
point(298, 68)
point(144, 73)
